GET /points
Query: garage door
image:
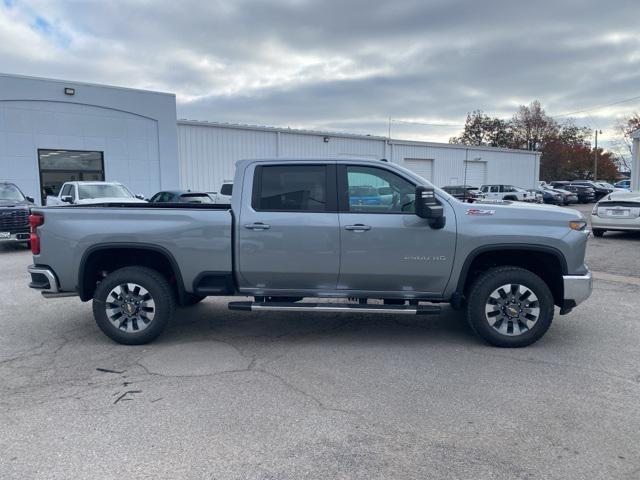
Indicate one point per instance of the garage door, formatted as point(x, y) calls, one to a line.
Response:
point(421, 166)
point(476, 173)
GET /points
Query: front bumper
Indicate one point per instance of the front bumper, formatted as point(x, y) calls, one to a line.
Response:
point(577, 288)
point(17, 237)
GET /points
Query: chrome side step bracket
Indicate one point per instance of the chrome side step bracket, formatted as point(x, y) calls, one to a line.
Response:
point(334, 307)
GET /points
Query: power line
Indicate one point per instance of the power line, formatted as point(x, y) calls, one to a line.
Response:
point(626, 100)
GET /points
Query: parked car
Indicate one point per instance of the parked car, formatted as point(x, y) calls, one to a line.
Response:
point(534, 196)
point(292, 232)
point(224, 195)
point(584, 193)
point(503, 192)
point(550, 196)
point(14, 214)
point(87, 193)
point(181, 196)
point(599, 190)
point(464, 193)
point(613, 188)
point(623, 184)
point(568, 197)
point(618, 211)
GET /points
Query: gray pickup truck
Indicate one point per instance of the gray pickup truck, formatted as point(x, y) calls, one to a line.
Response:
point(372, 234)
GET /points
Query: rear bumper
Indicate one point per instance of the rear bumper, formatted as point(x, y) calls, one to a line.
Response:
point(43, 279)
point(17, 237)
point(612, 223)
point(577, 288)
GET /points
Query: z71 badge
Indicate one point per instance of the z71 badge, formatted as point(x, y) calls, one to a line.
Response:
point(479, 212)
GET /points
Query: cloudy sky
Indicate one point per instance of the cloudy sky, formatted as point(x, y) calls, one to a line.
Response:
point(340, 64)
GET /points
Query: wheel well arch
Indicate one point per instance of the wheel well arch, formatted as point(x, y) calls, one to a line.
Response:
point(102, 259)
point(546, 262)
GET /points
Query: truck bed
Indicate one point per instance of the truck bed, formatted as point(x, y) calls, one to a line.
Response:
point(197, 237)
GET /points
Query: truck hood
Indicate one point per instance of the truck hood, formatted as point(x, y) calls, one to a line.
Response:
point(536, 212)
point(4, 203)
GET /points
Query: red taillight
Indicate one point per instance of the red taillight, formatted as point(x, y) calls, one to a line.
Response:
point(35, 220)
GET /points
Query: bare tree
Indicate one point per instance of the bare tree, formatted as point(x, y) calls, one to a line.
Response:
point(623, 141)
point(532, 127)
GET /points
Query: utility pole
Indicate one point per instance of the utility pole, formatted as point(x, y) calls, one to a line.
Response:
point(595, 158)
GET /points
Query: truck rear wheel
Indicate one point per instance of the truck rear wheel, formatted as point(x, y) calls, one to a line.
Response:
point(133, 305)
point(510, 307)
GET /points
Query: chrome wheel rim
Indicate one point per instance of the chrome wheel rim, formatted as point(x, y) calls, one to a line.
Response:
point(512, 309)
point(130, 307)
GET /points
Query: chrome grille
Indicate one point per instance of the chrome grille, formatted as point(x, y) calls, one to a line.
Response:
point(11, 219)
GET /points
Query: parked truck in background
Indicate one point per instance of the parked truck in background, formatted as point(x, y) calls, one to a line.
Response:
point(224, 195)
point(88, 193)
point(14, 214)
point(292, 232)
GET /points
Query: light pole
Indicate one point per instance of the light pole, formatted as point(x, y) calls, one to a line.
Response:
point(595, 158)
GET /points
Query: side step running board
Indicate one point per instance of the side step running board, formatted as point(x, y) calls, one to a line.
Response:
point(335, 307)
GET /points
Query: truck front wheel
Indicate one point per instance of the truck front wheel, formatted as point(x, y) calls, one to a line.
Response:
point(510, 307)
point(133, 305)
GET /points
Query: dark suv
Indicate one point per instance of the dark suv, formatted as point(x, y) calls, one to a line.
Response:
point(14, 214)
point(600, 190)
point(585, 193)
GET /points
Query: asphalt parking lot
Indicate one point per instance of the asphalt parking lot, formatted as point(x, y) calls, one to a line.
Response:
point(289, 396)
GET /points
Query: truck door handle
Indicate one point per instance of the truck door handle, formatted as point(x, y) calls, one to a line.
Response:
point(358, 227)
point(257, 226)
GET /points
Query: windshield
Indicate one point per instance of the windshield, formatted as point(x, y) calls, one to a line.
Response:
point(102, 191)
point(10, 192)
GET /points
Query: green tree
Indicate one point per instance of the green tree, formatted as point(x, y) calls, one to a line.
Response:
point(480, 129)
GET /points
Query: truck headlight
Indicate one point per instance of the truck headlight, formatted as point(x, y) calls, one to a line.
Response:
point(578, 224)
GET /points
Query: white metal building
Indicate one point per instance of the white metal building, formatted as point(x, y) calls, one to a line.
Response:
point(52, 131)
point(209, 150)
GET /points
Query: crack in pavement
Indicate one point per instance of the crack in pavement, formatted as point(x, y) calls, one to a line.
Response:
point(488, 353)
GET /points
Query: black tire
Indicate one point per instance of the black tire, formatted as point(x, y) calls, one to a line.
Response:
point(191, 299)
point(161, 293)
point(486, 285)
point(598, 232)
point(510, 198)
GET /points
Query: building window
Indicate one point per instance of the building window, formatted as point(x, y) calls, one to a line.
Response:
point(60, 166)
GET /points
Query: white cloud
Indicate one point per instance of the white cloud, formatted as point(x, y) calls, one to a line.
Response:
point(335, 64)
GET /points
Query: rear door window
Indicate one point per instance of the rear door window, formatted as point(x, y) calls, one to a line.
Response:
point(291, 188)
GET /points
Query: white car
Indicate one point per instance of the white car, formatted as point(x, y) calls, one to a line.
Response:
point(224, 195)
point(617, 211)
point(91, 193)
point(504, 192)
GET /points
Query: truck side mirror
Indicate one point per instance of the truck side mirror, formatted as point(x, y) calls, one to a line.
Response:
point(66, 199)
point(29, 199)
point(428, 207)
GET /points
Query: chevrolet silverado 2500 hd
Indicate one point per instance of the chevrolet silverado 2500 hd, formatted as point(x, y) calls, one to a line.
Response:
point(299, 229)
